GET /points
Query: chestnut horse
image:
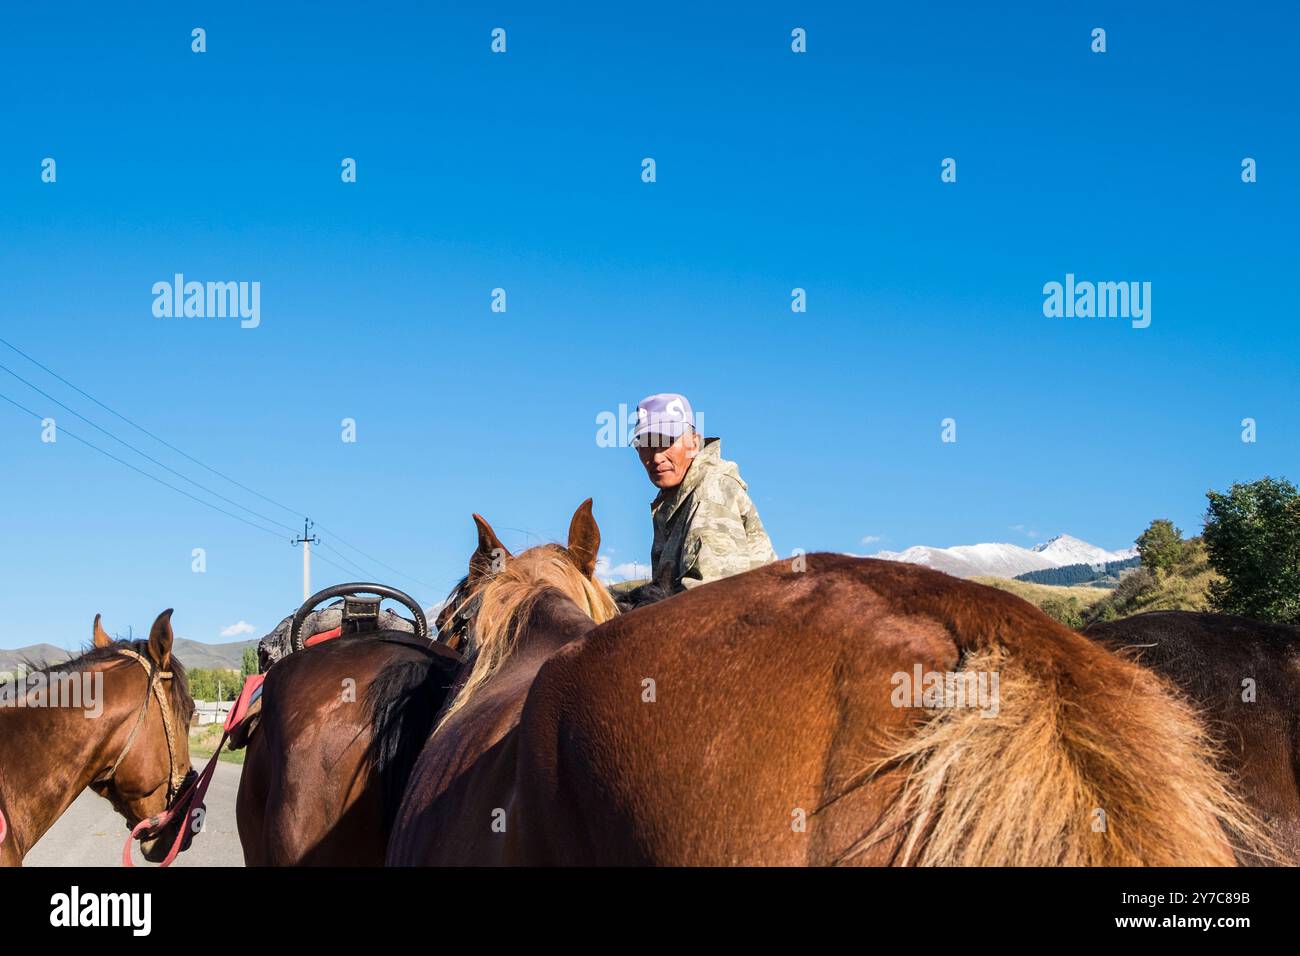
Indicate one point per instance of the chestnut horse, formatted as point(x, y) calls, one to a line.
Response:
point(1244, 676)
point(341, 725)
point(767, 718)
point(116, 719)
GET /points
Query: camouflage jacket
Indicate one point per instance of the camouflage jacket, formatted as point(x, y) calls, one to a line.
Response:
point(706, 528)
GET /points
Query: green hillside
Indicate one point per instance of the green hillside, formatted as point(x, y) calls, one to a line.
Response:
point(1184, 587)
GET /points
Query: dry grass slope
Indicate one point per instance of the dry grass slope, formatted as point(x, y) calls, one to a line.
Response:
point(1038, 594)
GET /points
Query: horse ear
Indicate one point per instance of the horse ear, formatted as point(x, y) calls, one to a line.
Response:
point(584, 539)
point(101, 639)
point(160, 640)
point(490, 555)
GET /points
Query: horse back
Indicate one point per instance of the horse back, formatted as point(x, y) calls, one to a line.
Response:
point(1244, 678)
point(731, 725)
point(317, 773)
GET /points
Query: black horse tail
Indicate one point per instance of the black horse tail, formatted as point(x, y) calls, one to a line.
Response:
point(403, 701)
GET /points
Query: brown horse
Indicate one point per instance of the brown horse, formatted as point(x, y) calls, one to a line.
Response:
point(767, 718)
point(116, 719)
point(341, 726)
point(1244, 676)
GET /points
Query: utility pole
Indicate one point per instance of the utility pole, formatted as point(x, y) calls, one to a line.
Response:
point(307, 540)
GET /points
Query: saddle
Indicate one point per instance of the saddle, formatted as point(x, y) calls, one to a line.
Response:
point(348, 616)
point(244, 716)
point(351, 615)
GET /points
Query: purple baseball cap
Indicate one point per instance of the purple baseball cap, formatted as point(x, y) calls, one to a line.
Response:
point(664, 414)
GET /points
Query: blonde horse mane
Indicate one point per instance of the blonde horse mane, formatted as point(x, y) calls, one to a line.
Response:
point(505, 600)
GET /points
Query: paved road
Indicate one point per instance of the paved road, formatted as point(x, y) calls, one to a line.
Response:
point(91, 833)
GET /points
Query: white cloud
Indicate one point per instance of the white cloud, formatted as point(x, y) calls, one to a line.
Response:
point(873, 538)
point(626, 571)
point(243, 627)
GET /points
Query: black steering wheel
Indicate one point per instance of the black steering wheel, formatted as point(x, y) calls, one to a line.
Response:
point(346, 590)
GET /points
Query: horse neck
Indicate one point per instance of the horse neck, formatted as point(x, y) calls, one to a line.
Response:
point(49, 755)
point(552, 622)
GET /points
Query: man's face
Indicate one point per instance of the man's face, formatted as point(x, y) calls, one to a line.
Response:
point(665, 460)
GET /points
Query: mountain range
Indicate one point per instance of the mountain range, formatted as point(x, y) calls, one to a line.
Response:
point(1007, 560)
point(191, 653)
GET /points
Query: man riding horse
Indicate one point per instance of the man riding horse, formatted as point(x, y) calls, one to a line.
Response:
point(705, 525)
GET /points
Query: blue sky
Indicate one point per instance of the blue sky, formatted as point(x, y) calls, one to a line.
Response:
point(522, 171)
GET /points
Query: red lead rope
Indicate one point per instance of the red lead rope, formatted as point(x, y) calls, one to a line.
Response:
point(191, 795)
point(189, 798)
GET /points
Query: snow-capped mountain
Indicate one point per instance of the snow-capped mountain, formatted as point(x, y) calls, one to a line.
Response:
point(1065, 549)
point(1006, 560)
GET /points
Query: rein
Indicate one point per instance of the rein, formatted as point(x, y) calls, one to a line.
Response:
point(180, 780)
point(458, 632)
point(190, 796)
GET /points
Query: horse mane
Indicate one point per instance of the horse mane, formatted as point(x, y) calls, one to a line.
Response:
point(178, 688)
point(505, 600)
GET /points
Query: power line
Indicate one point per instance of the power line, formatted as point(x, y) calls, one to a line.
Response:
point(317, 556)
point(215, 494)
point(181, 491)
point(139, 427)
point(371, 557)
point(106, 454)
point(321, 557)
point(343, 557)
point(188, 457)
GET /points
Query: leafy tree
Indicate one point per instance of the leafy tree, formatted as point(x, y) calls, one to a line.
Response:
point(1066, 610)
point(1133, 585)
point(200, 684)
point(248, 665)
point(1160, 546)
point(1252, 534)
point(214, 684)
point(1121, 601)
point(1072, 574)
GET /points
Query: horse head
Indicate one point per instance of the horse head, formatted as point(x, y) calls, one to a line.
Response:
point(152, 744)
point(485, 613)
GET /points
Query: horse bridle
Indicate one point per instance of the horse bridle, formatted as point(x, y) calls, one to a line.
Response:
point(457, 633)
point(176, 776)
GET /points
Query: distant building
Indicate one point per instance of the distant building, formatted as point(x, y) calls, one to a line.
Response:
point(211, 711)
